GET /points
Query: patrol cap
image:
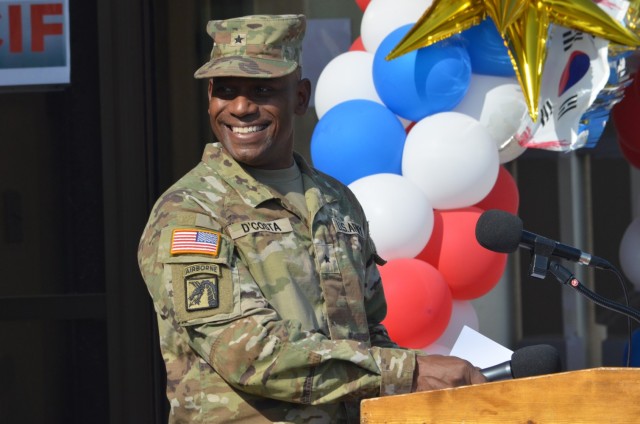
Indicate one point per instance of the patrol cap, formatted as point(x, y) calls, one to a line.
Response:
point(257, 46)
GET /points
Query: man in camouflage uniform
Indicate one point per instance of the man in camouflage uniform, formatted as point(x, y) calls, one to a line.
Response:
point(261, 268)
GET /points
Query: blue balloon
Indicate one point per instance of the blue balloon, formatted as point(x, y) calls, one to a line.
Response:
point(425, 81)
point(488, 53)
point(358, 138)
point(634, 361)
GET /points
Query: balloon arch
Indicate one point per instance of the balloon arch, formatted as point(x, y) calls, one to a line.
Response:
point(422, 141)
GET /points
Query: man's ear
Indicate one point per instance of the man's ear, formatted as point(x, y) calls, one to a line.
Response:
point(210, 88)
point(303, 96)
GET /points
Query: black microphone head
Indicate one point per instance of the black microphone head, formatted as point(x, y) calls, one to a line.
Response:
point(535, 360)
point(499, 231)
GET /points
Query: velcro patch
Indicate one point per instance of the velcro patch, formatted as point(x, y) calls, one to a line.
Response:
point(239, 39)
point(201, 286)
point(327, 260)
point(201, 293)
point(348, 227)
point(192, 240)
point(243, 228)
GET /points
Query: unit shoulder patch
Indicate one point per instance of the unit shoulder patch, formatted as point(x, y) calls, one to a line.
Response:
point(201, 286)
point(202, 291)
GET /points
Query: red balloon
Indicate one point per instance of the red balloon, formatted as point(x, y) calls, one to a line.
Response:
point(504, 195)
point(625, 116)
point(357, 46)
point(362, 4)
point(469, 269)
point(419, 302)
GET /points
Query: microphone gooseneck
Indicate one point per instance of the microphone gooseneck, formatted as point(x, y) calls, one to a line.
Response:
point(503, 232)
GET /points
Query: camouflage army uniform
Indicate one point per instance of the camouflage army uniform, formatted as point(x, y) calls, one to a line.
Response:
point(279, 320)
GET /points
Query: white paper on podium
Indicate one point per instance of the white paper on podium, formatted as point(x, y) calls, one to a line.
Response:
point(480, 350)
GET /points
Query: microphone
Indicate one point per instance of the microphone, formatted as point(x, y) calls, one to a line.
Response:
point(526, 362)
point(503, 232)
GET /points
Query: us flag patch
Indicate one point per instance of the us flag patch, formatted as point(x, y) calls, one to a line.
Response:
point(195, 241)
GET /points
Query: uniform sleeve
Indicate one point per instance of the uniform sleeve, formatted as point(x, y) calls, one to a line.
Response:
point(375, 302)
point(232, 327)
point(376, 306)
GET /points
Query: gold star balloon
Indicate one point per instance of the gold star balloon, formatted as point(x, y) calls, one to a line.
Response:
point(524, 26)
point(632, 22)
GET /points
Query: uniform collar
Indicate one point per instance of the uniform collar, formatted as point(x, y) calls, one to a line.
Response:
point(252, 192)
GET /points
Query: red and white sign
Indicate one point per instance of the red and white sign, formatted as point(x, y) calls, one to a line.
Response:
point(34, 42)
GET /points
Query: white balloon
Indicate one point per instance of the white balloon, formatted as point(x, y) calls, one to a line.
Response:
point(348, 76)
point(463, 313)
point(630, 253)
point(499, 105)
point(510, 149)
point(382, 17)
point(452, 158)
point(480, 85)
point(399, 214)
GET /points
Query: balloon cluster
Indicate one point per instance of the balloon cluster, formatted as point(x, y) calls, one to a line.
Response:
point(617, 89)
point(559, 67)
point(422, 141)
point(625, 116)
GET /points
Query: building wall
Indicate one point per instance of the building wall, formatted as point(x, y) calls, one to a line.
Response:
point(80, 167)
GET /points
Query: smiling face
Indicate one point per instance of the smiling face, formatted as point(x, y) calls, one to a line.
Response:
point(253, 118)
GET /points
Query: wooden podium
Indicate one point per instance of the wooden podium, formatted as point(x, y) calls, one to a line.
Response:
point(598, 395)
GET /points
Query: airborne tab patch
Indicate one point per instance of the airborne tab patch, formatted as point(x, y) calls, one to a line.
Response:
point(192, 240)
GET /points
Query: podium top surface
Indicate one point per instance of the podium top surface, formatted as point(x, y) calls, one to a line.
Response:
point(597, 395)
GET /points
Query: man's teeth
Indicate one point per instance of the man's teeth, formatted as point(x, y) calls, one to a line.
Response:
point(247, 130)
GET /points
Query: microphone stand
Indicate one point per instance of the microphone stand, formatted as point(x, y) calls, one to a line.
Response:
point(564, 276)
point(542, 250)
point(541, 263)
